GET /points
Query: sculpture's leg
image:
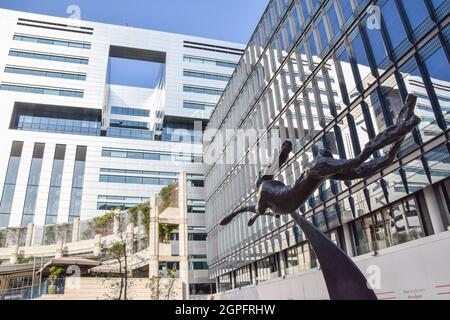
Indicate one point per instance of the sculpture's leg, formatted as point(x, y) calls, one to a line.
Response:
point(348, 169)
point(405, 123)
point(343, 278)
point(234, 214)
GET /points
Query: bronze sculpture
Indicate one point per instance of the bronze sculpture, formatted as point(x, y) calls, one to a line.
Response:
point(343, 278)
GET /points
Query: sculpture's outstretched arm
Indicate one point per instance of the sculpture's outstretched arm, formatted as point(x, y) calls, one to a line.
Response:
point(234, 214)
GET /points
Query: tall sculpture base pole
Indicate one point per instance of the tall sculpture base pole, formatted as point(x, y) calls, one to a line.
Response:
point(343, 278)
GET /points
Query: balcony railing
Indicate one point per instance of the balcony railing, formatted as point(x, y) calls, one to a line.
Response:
point(32, 292)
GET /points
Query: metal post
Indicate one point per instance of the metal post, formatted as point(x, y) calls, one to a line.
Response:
point(40, 274)
point(32, 277)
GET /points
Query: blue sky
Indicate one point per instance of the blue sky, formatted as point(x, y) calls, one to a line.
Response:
point(229, 20)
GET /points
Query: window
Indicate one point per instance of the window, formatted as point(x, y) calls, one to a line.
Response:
point(127, 133)
point(203, 90)
point(55, 42)
point(225, 282)
point(267, 268)
point(361, 61)
point(437, 66)
point(128, 124)
point(198, 106)
point(205, 75)
point(333, 19)
point(55, 184)
point(346, 8)
point(197, 236)
point(46, 73)
point(33, 184)
point(243, 276)
point(42, 90)
point(378, 47)
point(130, 111)
point(10, 183)
point(131, 154)
point(196, 206)
point(417, 14)
point(42, 56)
point(398, 223)
point(394, 28)
point(324, 43)
point(182, 132)
point(105, 202)
point(77, 183)
point(56, 119)
point(198, 265)
point(219, 63)
point(136, 177)
point(412, 79)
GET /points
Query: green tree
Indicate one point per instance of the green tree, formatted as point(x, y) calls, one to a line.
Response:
point(119, 250)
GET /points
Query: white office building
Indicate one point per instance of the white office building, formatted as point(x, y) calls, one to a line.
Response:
point(75, 144)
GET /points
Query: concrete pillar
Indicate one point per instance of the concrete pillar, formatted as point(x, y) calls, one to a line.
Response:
point(433, 210)
point(97, 245)
point(29, 237)
point(183, 234)
point(130, 234)
point(153, 247)
point(253, 271)
point(116, 225)
point(13, 259)
point(59, 249)
point(233, 280)
point(75, 229)
point(348, 239)
point(282, 264)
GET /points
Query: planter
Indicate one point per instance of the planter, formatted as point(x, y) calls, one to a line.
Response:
point(52, 289)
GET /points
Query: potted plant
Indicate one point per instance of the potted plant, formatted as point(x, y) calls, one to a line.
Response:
point(55, 271)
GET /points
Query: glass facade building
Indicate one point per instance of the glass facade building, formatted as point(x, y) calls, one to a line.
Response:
point(332, 74)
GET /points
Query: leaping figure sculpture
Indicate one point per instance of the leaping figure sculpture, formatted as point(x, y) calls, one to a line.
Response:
point(343, 278)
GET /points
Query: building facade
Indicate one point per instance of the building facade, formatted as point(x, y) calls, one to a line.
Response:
point(333, 74)
point(77, 145)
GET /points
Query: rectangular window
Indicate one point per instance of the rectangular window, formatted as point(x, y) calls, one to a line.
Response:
point(56, 119)
point(198, 105)
point(197, 236)
point(10, 183)
point(49, 57)
point(393, 26)
point(130, 111)
point(398, 223)
point(203, 90)
point(206, 75)
point(128, 124)
point(207, 61)
point(105, 202)
point(42, 90)
point(55, 184)
point(77, 183)
point(46, 73)
point(34, 177)
point(132, 154)
point(127, 133)
point(55, 42)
